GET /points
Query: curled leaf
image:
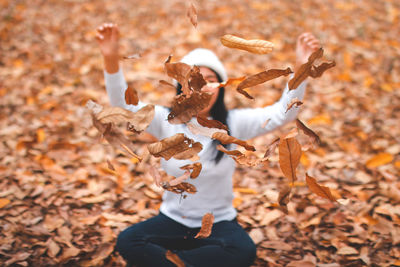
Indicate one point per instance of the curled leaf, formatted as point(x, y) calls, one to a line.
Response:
point(307, 131)
point(180, 72)
point(196, 80)
point(254, 46)
point(206, 226)
point(260, 78)
point(156, 175)
point(227, 139)
point(166, 83)
point(201, 130)
point(192, 14)
point(235, 153)
point(319, 190)
point(317, 71)
point(172, 257)
point(289, 157)
point(175, 146)
point(180, 188)
point(204, 121)
point(184, 108)
point(195, 167)
point(271, 147)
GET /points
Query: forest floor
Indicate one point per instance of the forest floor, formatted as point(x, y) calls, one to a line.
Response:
point(61, 206)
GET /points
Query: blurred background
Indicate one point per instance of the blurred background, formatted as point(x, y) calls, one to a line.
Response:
point(61, 206)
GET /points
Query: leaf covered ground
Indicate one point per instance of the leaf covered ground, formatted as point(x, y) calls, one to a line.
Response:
point(61, 205)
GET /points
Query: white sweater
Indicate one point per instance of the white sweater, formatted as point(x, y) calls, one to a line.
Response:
point(214, 184)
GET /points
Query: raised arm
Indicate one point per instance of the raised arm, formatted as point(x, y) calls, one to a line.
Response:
point(249, 123)
point(108, 40)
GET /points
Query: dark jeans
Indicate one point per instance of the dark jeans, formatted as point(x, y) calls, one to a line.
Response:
point(145, 244)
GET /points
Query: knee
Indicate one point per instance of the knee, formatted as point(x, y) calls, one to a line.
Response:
point(247, 253)
point(127, 240)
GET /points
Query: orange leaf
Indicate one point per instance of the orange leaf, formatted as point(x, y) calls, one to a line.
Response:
point(206, 226)
point(319, 190)
point(235, 153)
point(172, 257)
point(379, 160)
point(195, 167)
point(289, 157)
point(4, 202)
point(307, 131)
point(227, 139)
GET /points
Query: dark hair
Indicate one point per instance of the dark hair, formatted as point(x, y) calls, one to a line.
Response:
point(218, 112)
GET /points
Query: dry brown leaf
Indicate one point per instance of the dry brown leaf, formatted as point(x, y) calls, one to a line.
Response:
point(319, 190)
point(289, 157)
point(156, 175)
point(163, 82)
point(195, 167)
point(180, 72)
point(179, 180)
point(307, 131)
point(114, 137)
point(204, 121)
point(254, 46)
point(317, 71)
point(196, 80)
point(201, 130)
point(283, 198)
point(307, 69)
point(235, 153)
point(141, 119)
point(175, 146)
point(294, 103)
point(271, 147)
point(192, 14)
point(260, 78)
point(184, 108)
point(180, 188)
point(190, 153)
point(131, 96)
point(206, 226)
point(292, 133)
point(248, 160)
point(227, 139)
point(172, 257)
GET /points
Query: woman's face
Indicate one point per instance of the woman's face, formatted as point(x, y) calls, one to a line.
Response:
point(210, 77)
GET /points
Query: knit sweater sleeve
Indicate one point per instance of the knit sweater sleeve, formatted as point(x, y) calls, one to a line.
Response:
point(116, 86)
point(248, 123)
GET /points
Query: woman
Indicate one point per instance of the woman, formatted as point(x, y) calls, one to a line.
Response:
point(179, 220)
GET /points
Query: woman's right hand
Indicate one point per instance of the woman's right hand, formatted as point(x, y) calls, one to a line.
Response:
point(108, 39)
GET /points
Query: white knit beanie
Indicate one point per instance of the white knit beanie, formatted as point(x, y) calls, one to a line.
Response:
point(202, 57)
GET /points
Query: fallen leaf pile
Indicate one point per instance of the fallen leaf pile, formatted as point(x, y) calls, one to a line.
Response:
point(67, 189)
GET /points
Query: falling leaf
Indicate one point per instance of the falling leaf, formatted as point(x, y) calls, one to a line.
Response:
point(294, 103)
point(195, 167)
point(379, 160)
point(114, 137)
point(131, 96)
point(174, 146)
point(180, 72)
point(204, 121)
point(192, 14)
point(260, 78)
point(271, 147)
point(196, 80)
point(307, 131)
point(180, 188)
point(184, 108)
point(166, 83)
point(206, 226)
point(317, 71)
point(235, 153)
point(197, 129)
point(141, 119)
point(319, 190)
point(289, 157)
point(156, 175)
point(254, 46)
point(307, 69)
point(172, 257)
point(227, 139)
